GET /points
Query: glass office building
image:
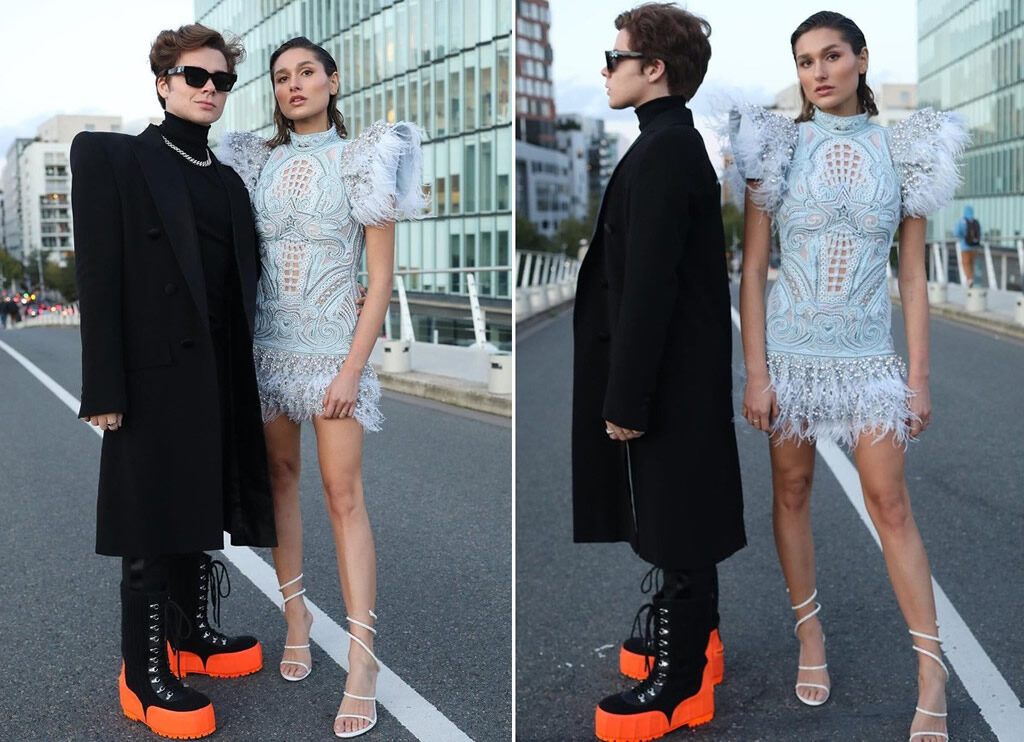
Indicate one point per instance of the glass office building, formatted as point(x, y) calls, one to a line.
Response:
point(971, 60)
point(443, 64)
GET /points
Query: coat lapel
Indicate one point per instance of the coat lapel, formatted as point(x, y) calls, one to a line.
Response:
point(243, 236)
point(170, 193)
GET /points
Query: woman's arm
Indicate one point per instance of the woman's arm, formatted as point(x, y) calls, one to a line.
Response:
point(914, 297)
point(340, 400)
point(758, 402)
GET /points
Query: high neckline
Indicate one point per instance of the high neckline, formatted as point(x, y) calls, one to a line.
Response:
point(188, 135)
point(650, 110)
point(309, 141)
point(840, 124)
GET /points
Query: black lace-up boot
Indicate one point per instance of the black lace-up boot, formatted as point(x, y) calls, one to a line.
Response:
point(636, 657)
point(149, 691)
point(196, 581)
point(679, 689)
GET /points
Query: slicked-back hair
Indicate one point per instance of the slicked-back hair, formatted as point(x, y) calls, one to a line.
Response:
point(678, 38)
point(171, 44)
point(850, 33)
point(284, 125)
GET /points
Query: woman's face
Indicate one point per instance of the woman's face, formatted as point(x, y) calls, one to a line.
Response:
point(302, 86)
point(202, 105)
point(829, 71)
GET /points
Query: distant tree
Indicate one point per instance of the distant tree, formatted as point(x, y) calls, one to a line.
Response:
point(529, 239)
point(732, 224)
point(570, 232)
point(62, 279)
point(10, 269)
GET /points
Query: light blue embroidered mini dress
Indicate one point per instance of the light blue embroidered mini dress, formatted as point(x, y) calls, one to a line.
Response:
point(837, 189)
point(312, 198)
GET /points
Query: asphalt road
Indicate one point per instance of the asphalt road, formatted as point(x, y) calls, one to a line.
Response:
point(575, 603)
point(438, 485)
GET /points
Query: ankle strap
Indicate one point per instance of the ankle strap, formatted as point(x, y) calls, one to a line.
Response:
point(809, 616)
point(359, 641)
point(806, 602)
point(926, 653)
point(296, 594)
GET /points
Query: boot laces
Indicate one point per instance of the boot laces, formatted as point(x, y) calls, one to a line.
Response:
point(178, 627)
point(651, 581)
point(651, 625)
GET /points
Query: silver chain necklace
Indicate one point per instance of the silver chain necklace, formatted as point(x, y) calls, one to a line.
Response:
point(187, 156)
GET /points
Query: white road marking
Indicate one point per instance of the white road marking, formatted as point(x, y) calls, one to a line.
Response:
point(986, 686)
point(412, 710)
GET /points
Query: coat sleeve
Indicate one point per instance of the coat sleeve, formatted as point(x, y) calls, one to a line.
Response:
point(655, 244)
point(99, 243)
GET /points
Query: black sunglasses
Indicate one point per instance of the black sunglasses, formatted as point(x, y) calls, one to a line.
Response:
point(611, 59)
point(196, 77)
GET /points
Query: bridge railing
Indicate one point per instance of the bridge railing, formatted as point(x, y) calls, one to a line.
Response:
point(543, 280)
point(1001, 292)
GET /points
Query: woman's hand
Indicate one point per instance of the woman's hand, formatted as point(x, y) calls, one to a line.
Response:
point(759, 405)
point(340, 399)
point(109, 421)
point(920, 408)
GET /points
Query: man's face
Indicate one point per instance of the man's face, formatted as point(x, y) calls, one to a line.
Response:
point(627, 85)
point(202, 105)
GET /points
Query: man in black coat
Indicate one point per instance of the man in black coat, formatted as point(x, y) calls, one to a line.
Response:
point(654, 450)
point(167, 263)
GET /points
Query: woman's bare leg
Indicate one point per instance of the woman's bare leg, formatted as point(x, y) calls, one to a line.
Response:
point(340, 449)
point(792, 475)
point(284, 459)
point(881, 469)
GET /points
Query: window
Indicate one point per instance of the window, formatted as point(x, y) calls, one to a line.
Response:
point(454, 261)
point(486, 175)
point(469, 168)
point(469, 96)
point(439, 196)
point(456, 104)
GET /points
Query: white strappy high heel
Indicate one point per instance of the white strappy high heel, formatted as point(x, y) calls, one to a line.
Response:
point(303, 665)
point(827, 689)
point(932, 655)
point(373, 720)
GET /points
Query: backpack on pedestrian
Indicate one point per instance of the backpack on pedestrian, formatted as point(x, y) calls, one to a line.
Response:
point(973, 235)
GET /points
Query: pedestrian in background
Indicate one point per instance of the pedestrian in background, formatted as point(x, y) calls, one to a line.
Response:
point(654, 454)
point(166, 264)
point(819, 353)
point(968, 232)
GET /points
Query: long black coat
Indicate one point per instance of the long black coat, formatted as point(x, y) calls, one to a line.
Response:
point(653, 345)
point(147, 352)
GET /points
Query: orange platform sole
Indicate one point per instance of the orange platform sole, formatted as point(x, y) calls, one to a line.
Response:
point(223, 665)
point(692, 712)
point(634, 665)
point(166, 723)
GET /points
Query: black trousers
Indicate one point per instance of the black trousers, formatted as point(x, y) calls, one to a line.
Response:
point(151, 574)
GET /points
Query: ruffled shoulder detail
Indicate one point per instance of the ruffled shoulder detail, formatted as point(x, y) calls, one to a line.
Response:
point(925, 148)
point(245, 153)
point(382, 170)
point(761, 144)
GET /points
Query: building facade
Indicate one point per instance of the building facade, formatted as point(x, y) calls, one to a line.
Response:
point(971, 61)
point(443, 64)
point(542, 186)
point(37, 188)
point(535, 91)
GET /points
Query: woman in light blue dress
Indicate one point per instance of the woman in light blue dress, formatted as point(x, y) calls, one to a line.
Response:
point(320, 203)
point(819, 354)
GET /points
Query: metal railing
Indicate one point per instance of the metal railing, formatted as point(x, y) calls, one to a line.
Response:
point(1005, 251)
point(543, 280)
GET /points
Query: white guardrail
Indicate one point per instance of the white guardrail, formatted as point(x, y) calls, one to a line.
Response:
point(545, 280)
point(1001, 293)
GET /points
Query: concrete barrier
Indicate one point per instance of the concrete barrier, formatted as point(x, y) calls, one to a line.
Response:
point(937, 293)
point(977, 300)
point(501, 379)
point(1018, 316)
point(397, 356)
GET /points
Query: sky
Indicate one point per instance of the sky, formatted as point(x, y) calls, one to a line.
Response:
point(78, 56)
point(750, 53)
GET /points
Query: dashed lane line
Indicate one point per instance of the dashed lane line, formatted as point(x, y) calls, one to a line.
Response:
point(1000, 707)
point(412, 710)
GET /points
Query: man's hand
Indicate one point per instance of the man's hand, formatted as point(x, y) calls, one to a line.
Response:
point(109, 421)
point(617, 433)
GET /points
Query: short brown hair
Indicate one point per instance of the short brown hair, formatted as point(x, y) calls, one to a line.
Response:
point(170, 45)
point(678, 38)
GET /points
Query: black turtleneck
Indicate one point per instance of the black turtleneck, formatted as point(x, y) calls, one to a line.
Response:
point(212, 212)
point(650, 110)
